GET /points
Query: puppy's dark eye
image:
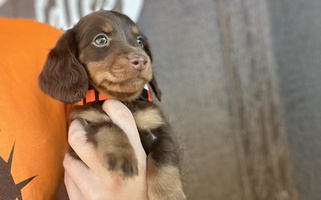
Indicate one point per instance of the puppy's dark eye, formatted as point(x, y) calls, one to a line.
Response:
point(140, 41)
point(101, 40)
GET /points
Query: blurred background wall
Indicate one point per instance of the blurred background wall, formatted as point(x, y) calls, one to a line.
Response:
point(296, 31)
point(241, 88)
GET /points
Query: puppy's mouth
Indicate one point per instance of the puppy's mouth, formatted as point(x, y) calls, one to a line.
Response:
point(121, 78)
point(122, 87)
point(125, 91)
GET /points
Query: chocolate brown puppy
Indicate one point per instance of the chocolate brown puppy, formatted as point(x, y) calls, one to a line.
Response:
point(106, 52)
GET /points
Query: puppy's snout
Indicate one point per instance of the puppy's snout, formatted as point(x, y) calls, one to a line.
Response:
point(138, 62)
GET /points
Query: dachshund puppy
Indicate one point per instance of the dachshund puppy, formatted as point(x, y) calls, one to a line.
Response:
point(106, 52)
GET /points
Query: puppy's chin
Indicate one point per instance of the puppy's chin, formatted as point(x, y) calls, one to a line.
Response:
point(128, 90)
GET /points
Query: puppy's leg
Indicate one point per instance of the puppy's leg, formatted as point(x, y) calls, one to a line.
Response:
point(163, 177)
point(114, 148)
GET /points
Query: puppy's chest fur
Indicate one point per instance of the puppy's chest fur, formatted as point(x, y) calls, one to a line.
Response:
point(149, 119)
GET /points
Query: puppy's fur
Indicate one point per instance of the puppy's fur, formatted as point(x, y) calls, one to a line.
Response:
point(107, 51)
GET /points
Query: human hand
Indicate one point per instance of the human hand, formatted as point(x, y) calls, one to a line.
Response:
point(88, 178)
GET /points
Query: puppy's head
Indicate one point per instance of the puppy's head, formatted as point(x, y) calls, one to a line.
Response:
point(104, 49)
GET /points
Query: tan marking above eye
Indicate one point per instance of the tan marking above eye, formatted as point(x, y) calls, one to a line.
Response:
point(107, 28)
point(148, 119)
point(135, 30)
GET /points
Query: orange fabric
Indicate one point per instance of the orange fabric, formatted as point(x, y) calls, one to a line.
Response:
point(91, 97)
point(34, 122)
point(149, 95)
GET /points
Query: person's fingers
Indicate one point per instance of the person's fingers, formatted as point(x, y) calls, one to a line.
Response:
point(77, 174)
point(83, 178)
point(85, 150)
point(122, 117)
point(74, 167)
point(72, 189)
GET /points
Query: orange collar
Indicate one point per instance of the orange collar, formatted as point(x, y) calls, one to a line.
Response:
point(94, 96)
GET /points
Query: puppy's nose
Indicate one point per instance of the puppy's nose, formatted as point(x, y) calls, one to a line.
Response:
point(138, 62)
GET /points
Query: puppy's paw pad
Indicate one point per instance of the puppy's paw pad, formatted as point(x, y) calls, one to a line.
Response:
point(125, 164)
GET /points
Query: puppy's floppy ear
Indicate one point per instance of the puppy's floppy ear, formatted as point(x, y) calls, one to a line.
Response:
point(155, 88)
point(63, 76)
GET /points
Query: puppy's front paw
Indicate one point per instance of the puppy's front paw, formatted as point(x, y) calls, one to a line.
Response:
point(114, 149)
point(123, 162)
